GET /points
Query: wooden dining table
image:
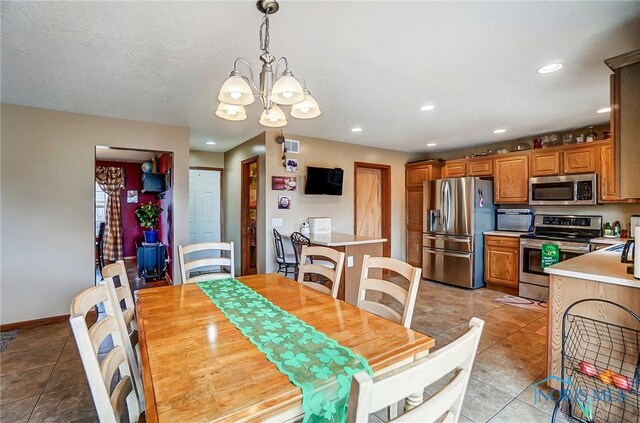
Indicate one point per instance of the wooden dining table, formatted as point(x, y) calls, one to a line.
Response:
point(198, 367)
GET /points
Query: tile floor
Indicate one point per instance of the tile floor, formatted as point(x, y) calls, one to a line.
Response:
point(42, 379)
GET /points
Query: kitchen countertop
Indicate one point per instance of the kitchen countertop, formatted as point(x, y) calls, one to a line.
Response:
point(337, 240)
point(601, 266)
point(612, 241)
point(506, 233)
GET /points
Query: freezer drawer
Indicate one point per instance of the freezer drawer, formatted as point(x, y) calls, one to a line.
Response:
point(448, 242)
point(452, 267)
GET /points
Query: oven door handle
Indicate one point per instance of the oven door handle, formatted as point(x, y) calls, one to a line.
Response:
point(567, 249)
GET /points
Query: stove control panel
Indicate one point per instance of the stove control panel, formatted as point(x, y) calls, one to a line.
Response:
point(584, 222)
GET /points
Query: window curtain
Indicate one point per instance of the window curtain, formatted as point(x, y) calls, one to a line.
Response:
point(111, 181)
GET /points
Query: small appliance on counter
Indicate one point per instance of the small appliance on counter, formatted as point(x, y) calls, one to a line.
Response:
point(319, 225)
point(515, 220)
point(629, 255)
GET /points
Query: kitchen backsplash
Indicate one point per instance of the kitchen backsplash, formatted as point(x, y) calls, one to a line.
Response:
point(609, 212)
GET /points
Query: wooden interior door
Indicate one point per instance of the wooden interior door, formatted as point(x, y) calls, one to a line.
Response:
point(372, 208)
point(249, 217)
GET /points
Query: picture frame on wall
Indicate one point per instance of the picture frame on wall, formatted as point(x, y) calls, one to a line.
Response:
point(132, 196)
point(283, 183)
point(291, 165)
point(284, 202)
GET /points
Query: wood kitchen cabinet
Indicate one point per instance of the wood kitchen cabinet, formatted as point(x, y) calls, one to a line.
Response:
point(581, 159)
point(415, 174)
point(455, 169)
point(545, 163)
point(511, 179)
point(480, 167)
point(625, 122)
point(501, 260)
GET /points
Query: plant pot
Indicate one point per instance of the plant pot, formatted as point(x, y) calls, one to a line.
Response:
point(151, 236)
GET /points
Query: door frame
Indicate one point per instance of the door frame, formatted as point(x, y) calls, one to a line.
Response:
point(385, 200)
point(244, 211)
point(221, 170)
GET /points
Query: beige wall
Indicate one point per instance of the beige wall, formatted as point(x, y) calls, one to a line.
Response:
point(47, 190)
point(324, 153)
point(206, 159)
point(232, 191)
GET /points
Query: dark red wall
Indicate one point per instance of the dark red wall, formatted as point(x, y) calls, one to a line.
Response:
point(132, 233)
point(164, 163)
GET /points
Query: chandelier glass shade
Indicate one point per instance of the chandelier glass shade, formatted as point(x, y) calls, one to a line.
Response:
point(273, 118)
point(306, 109)
point(275, 87)
point(231, 112)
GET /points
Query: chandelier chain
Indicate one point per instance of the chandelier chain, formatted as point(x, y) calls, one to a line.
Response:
point(264, 34)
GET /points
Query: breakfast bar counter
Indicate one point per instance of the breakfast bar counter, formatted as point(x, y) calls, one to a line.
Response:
point(355, 248)
point(598, 275)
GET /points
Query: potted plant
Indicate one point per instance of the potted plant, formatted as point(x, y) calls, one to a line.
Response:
point(147, 216)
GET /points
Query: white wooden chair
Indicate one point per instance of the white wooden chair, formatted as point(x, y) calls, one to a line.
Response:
point(406, 298)
point(314, 268)
point(128, 330)
point(127, 304)
point(109, 403)
point(188, 266)
point(368, 395)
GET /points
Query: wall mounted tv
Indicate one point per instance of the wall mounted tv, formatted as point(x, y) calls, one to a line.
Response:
point(323, 181)
point(153, 183)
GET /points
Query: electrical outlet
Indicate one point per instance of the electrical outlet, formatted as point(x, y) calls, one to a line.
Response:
point(276, 222)
point(349, 261)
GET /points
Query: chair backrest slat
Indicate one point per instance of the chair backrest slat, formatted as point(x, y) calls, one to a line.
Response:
point(309, 268)
point(406, 297)
point(368, 395)
point(89, 339)
point(186, 267)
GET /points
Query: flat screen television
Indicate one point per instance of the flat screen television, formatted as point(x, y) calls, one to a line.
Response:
point(153, 183)
point(323, 181)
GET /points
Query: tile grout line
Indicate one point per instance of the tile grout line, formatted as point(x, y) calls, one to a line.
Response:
point(49, 378)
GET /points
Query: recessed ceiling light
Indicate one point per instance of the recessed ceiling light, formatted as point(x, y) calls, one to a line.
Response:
point(427, 108)
point(356, 129)
point(431, 144)
point(553, 67)
point(604, 110)
point(210, 142)
point(499, 131)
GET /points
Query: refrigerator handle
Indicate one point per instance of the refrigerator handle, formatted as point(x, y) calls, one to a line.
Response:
point(446, 206)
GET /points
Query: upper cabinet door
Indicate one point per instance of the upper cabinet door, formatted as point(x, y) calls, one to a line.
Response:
point(482, 167)
point(545, 163)
point(581, 160)
point(625, 122)
point(455, 169)
point(417, 175)
point(511, 179)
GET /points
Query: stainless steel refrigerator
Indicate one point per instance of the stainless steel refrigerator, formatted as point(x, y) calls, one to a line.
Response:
point(456, 213)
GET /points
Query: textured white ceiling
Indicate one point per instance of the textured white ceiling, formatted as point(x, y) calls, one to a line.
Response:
point(370, 64)
point(120, 155)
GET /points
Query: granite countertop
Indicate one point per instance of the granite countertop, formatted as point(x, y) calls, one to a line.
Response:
point(506, 233)
point(600, 266)
point(336, 240)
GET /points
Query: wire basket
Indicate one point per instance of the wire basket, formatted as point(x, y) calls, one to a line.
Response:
point(600, 368)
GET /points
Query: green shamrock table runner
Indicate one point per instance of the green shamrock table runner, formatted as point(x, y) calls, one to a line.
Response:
point(317, 364)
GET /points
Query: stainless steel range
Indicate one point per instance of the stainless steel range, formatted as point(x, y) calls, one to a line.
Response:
point(570, 233)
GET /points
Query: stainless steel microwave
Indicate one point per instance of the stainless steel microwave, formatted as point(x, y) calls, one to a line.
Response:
point(563, 190)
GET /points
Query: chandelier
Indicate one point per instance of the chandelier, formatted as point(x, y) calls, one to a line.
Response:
point(276, 88)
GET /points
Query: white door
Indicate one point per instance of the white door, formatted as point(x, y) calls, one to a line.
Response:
point(204, 207)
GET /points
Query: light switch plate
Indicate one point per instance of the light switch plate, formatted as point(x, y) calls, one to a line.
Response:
point(349, 261)
point(276, 222)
